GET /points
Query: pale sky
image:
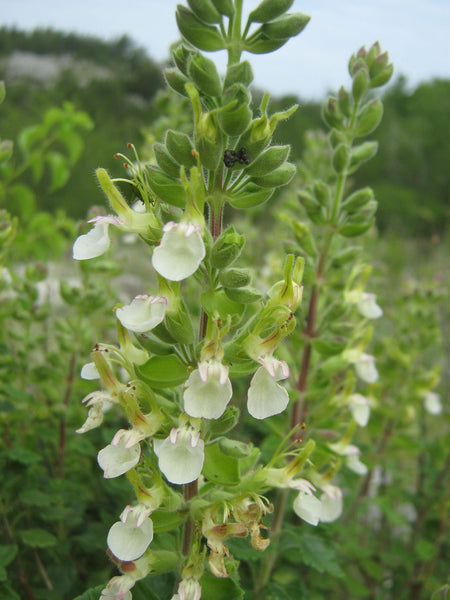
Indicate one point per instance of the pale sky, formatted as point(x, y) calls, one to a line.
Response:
point(416, 34)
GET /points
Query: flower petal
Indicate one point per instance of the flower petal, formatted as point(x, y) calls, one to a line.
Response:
point(265, 396)
point(368, 306)
point(180, 462)
point(180, 252)
point(331, 507)
point(432, 403)
point(366, 369)
point(308, 508)
point(117, 460)
point(143, 313)
point(92, 244)
point(208, 397)
point(127, 541)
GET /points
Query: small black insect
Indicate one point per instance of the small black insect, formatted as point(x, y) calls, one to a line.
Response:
point(231, 157)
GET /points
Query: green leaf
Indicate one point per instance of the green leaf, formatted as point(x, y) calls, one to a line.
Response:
point(6, 593)
point(59, 168)
point(35, 497)
point(164, 371)
point(219, 467)
point(425, 550)
point(310, 549)
point(7, 554)
point(250, 196)
point(38, 538)
point(23, 455)
point(220, 589)
point(73, 142)
point(92, 594)
point(219, 302)
point(25, 198)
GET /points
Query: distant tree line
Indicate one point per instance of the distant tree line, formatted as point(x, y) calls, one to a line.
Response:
point(409, 174)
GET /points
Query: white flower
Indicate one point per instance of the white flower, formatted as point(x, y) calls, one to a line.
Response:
point(366, 369)
point(118, 588)
point(188, 589)
point(92, 244)
point(308, 508)
point(180, 252)
point(432, 403)
point(265, 396)
point(208, 390)
point(352, 453)
point(181, 455)
point(89, 371)
point(143, 313)
point(130, 537)
point(368, 306)
point(332, 504)
point(117, 459)
point(99, 403)
point(94, 419)
point(360, 409)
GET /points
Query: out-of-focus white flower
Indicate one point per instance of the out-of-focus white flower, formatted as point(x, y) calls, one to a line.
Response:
point(143, 313)
point(432, 403)
point(117, 459)
point(89, 371)
point(365, 368)
point(208, 390)
point(118, 588)
point(308, 508)
point(181, 455)
point(266, 397)
point(180, 252)
point(360, 408)
point(368, 306)
point(332, 504)
point(352, 453)
point(188, 589)
point(130, 537)
point(92, 244)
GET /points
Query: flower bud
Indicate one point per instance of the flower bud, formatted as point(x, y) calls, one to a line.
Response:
point(225, 7)
point(235, 119)
point(360, 84)
point(372, 54)
point(227, 248)
point(344, 102)
point(199, 34)
point(249, 196)
point(304, 237)
point(379, 64)
point(234, 278)
point(368, 118)
point(308, 201)
point(234, 448)
point(357, 199)
point(243, 295)
point(205, 10)
point(181, 57)
point(180, 148)
point(165, 187)
point(285, 27)
point(176, 81)
point(203, 73)
point(269, 160)
point(346, 255)
point(341, 157)
point(238, 73)
point(361, 154)
point(6, 150)
point(164, 161)
point(268, 10)
point(383, 77)
point(322, 193)
point(278, 177)
point(331, 113)
point(179, 324)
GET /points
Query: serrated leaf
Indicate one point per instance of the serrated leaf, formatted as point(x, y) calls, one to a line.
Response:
point(38, 538)
point(23, 455)
point(220, 589)
point(310, 549)
point(164, 371)
point(92, 594)
point(219, 467)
